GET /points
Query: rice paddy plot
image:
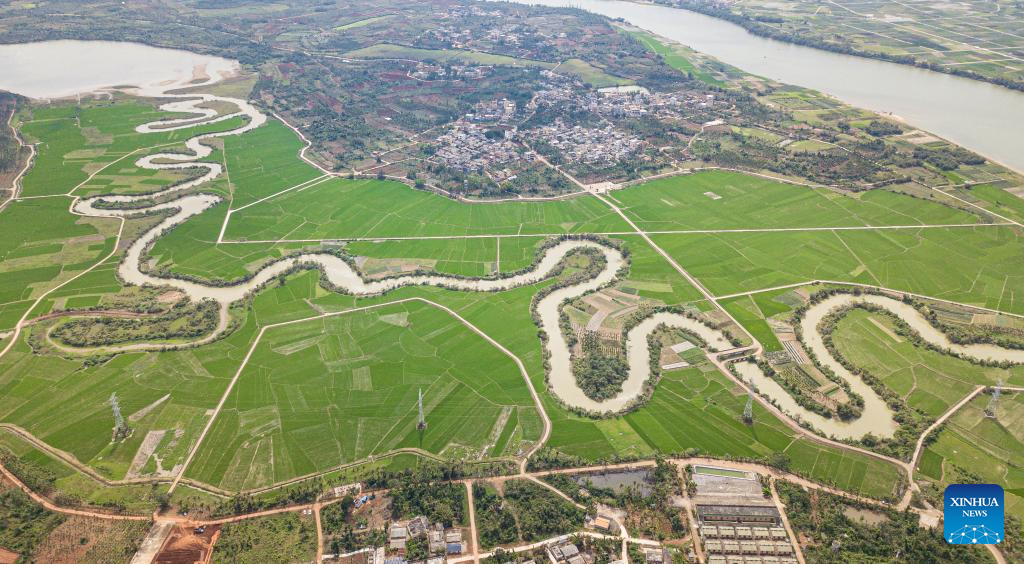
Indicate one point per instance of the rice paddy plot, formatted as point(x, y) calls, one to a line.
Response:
point(1000, 201)
point(979, 266)
point(42, 244)
point(973, 448)
point(652, 277)
point(329, 391)
point(76, 140)
point(191, 249)
point(592, 75)
point(127, 181)
point(692, 411)
point(342, 208)
point(927, 380)
point(674, 56)
point(466, 257)
point(775, 302)
point(65, 402)
point(362, 22)
point(124, 177)
point(747, 312)
point(265, 161)
point(749, 202)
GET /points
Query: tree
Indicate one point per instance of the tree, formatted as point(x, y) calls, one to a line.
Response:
point(779, 460)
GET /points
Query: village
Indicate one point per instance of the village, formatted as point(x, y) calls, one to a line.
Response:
point(660, 301)
point(498, 137)
point(734, 518)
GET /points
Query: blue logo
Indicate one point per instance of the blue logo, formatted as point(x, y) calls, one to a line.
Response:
point(973, 514)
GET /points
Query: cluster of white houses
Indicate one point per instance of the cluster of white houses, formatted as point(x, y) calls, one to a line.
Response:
point(599, 146)
point(467, 148)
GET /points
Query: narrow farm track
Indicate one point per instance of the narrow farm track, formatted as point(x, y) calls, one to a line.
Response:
point(785, 522)
point(16, 181)
point(319, 533)
point(343, 276)
point(474, 538)
point(546, 432)
point(70, 460)
point(910, 227)
point(43, 501)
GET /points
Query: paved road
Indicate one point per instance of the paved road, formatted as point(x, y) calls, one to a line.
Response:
point(319, 533)
point(154, 540)
point(474, 539)
point(799, 553)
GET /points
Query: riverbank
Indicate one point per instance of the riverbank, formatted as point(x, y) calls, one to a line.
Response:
point(763, 30)
point(973, 114)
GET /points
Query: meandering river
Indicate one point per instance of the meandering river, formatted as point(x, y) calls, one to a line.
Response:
point(983, 117)
point(205, 71)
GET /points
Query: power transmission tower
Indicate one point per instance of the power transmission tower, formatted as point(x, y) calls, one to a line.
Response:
point(748, 411)
point(422, 422)
point(993, 403)
point(121, 429)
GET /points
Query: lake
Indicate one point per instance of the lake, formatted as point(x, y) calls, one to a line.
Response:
point(985, 118)
point(55, 69)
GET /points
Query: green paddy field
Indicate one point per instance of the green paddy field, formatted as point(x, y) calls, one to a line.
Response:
point(320, 394)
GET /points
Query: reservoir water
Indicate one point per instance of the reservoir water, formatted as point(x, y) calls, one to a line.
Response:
point(985, 118)
point(54, 69)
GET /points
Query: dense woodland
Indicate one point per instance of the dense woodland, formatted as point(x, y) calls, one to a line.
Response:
point(496, 524)
point(184, 320)
point(600, 371)
point(443, 503)
point(9, 147)
point(23, 523)
point(524, 511)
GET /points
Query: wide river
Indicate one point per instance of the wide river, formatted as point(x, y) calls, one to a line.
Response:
point(55, 69)
point(983, 117)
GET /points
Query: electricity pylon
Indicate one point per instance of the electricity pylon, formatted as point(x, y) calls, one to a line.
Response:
point(121, 429)
point(993, 403)
point(422, 421)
